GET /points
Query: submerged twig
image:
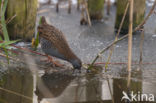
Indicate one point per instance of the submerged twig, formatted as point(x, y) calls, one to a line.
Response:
point(123, 37)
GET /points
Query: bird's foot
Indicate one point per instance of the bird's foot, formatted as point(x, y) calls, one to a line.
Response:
point(50, 59)
point(56, 63)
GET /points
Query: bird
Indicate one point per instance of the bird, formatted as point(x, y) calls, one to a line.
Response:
point(54, 43)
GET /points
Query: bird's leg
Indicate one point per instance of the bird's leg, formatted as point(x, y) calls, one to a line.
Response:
point(54, 62)
point(50, 59)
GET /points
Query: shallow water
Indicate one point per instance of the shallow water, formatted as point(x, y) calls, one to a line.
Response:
point(20, 85)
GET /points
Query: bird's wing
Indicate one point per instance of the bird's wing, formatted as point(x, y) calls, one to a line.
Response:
point(58, 41)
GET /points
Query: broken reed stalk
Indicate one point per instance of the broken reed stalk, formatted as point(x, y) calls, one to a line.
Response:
point(116, 38)
point(78, 5)
point(123, 37)
point(108, 7)
point(69, 6)
point(87, 11)
point(82, 9)
point(141, 46)
point(57, 6)
point(130, 35)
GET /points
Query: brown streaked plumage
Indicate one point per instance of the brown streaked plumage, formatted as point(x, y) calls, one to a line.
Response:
point(55, 44)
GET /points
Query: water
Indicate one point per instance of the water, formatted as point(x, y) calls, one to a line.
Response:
point(20, 85)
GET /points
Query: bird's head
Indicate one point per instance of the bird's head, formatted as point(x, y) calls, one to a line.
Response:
point(76, 63)
point(42, 27)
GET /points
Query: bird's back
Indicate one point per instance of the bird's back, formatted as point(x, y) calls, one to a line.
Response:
point(57, 43)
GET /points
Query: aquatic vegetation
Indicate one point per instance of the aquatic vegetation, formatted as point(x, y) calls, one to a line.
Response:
point(4, 41)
